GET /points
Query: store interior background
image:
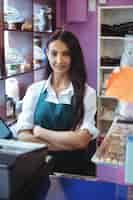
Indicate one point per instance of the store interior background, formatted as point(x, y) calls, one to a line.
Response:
point(86, 32)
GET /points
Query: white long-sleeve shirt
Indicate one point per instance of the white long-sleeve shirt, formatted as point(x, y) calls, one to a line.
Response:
point(26, 118)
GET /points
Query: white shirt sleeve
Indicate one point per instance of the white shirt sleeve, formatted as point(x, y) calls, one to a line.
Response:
point(26, 117)
point(89, 112)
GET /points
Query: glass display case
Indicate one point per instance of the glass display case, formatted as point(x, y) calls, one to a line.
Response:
point(110, 156)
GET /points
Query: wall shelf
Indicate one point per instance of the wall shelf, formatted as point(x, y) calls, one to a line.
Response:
point(24, 26)
point(110, 48)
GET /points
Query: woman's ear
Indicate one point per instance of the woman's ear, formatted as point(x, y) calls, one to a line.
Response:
point(47, 53)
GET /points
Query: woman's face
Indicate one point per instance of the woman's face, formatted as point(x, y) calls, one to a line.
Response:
point(59, 57)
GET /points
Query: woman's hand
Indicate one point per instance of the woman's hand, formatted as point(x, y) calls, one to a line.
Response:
point(37, 131)
point(27, 136)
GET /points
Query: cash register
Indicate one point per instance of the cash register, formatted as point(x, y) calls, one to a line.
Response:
point(22, 167)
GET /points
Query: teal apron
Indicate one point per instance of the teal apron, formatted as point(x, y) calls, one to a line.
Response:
point(60, 117)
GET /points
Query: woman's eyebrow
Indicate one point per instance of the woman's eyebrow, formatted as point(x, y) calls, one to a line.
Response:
point(63, 51)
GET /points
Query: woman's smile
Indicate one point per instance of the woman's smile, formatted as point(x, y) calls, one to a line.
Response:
point(59, 67)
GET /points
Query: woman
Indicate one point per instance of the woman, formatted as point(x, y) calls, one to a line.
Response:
point(60, 110)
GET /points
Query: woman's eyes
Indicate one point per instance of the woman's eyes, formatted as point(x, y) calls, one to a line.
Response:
point(54, 54)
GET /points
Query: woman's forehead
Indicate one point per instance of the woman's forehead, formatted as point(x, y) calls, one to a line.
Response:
point(58, 45)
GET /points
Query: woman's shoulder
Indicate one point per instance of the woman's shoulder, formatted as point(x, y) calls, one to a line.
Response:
point(35, 88)
point(37, 85)
point(89, 90)
point(90, 96)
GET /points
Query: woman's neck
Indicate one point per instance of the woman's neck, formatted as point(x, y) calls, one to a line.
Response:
point(60, 82)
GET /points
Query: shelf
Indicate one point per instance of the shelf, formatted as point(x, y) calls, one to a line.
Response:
point(41, 32)
point(25, 29)
point(105, 97)
point(21, 73)
point(115, 38)
point(108, 67)
point(114, 24)
point(116, 7)
point(111, 38)
point(13, 30)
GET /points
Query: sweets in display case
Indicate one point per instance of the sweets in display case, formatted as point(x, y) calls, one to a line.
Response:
point(112, 149)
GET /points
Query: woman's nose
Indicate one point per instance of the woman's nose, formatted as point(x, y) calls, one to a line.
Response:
point(59, 59)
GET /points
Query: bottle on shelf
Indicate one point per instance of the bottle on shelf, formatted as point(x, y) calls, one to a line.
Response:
point(12, 96)
point(39, 56)
point(10, 107)
point(49, 19)
point(45, 19)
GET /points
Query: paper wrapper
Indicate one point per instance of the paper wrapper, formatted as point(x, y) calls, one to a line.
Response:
point(120, 84)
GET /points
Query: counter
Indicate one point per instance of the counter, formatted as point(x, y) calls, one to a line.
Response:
point(70, 187)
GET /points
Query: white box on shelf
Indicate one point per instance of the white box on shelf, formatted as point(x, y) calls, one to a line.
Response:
point(102, 1)
point(91, 5)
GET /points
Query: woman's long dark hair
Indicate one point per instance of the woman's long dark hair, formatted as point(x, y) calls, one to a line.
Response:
point(77, 71)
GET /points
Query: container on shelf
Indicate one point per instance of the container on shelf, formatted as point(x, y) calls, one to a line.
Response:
point(13, 61)
point(10, 107)
point(13, 18)
point(12, 89)
point(12, 69)
point(45, 19)
point(39, 57)
point(26, 26)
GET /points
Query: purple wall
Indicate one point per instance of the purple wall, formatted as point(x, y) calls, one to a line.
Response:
point(87, 34)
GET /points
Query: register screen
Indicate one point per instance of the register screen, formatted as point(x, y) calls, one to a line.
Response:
point(4, 130)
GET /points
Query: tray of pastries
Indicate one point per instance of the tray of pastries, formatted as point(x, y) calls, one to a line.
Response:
point(112, 149)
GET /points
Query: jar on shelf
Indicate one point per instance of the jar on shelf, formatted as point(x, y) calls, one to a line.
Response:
point(45, 19)
point(49, 19)
point(39, 57)
point(12, 89)
point(42, 20)
point(37, 41)
point(13, 60)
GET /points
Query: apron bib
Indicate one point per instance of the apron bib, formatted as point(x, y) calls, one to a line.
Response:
point(60, 117)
